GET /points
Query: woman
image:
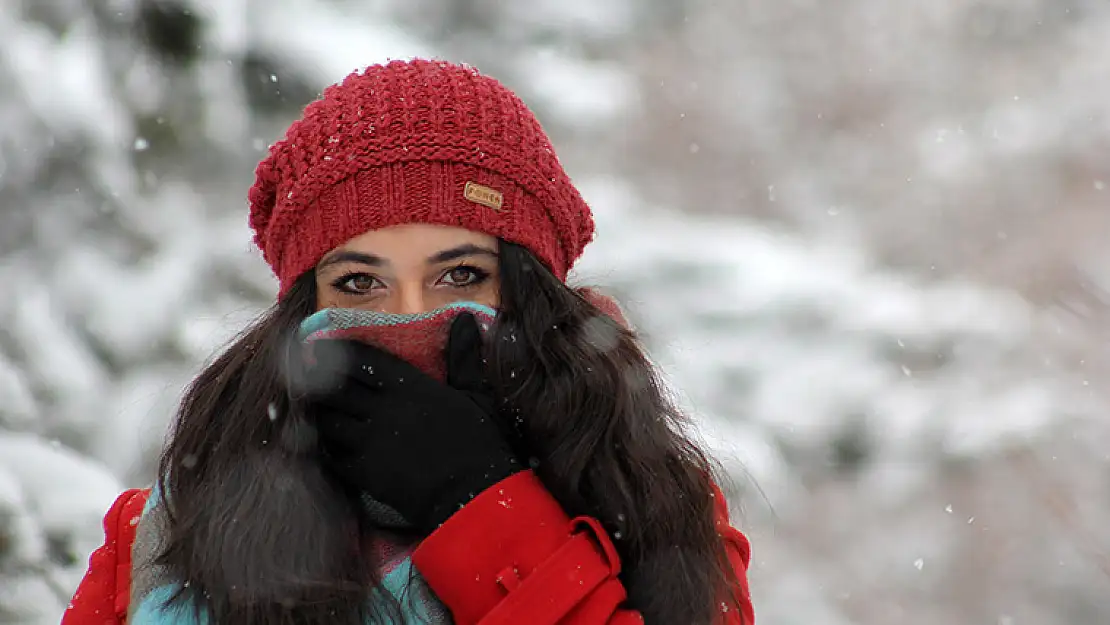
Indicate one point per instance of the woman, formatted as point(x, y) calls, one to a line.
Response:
point(542, 478)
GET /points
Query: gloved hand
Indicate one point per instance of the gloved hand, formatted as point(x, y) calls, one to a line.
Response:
point(388, 430)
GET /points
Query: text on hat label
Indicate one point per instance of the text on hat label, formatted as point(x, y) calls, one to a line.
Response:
point(483, 195)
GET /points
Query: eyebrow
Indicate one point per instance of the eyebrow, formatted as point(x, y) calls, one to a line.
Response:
point(373, 260)
point(466, 249)
point(347, 256)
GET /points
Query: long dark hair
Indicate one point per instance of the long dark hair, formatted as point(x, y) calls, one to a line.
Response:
point(264, 538)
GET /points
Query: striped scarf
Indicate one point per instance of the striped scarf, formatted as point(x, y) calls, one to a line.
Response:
point(418, 339)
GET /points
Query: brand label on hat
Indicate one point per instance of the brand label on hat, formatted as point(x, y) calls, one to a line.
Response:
point(483, 195)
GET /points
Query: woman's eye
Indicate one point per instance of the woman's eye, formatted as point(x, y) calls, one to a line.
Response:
point(463, 276)
point(356, 283)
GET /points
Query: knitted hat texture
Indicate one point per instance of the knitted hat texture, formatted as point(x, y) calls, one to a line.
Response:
point(414, 142)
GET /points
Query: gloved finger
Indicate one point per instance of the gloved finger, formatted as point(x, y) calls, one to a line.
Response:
point(355, 404)
point(344, 435)
point(466, 369)
point(368, 365)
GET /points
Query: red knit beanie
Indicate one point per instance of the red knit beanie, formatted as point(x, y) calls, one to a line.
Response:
point(414, 142)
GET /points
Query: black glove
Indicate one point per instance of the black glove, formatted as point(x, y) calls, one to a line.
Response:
point(390, 431)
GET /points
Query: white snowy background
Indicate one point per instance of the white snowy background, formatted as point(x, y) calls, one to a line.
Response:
point(866, 240)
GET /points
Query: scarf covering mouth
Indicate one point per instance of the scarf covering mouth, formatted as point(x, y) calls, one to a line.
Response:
point(419, 338)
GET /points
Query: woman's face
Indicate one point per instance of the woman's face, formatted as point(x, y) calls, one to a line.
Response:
point(410, 269)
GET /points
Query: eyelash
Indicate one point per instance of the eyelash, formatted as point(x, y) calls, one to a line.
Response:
point(480, 276)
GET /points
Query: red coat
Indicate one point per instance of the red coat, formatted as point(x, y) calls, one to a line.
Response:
point(510, 556)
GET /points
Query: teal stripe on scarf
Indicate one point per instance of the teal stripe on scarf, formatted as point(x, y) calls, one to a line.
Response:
point(339, 318)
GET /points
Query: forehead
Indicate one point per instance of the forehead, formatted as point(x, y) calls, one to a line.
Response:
point(417, 240)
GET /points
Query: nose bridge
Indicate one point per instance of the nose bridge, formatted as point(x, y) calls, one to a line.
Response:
point(410, 297)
